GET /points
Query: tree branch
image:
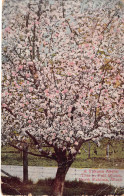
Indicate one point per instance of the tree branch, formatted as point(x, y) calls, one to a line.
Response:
point(43, 153)
point(31, 153)
point(9, 110)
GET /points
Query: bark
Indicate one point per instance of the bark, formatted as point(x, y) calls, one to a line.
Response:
point(64, 163)
point(58, 185)
point(25, 164)
point(107, 151)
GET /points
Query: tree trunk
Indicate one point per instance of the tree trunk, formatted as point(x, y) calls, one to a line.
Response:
point(25, 163)
point(58, 186)
point(107, 151)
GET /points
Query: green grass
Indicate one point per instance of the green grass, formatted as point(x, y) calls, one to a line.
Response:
point(44, 187)
point(99, 160)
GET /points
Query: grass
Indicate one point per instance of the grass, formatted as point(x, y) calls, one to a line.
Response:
point(11, 156)
point(13, 186)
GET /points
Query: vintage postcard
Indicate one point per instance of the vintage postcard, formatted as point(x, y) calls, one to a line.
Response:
point(62, 97)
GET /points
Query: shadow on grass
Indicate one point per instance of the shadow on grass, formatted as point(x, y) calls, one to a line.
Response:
point(14, 186)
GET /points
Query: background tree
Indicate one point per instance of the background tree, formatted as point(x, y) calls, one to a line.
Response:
point(62, 77)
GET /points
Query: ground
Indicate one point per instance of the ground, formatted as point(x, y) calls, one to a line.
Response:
point(15, 186)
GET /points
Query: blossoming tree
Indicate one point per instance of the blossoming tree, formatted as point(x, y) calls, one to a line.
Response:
point(62, 77)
